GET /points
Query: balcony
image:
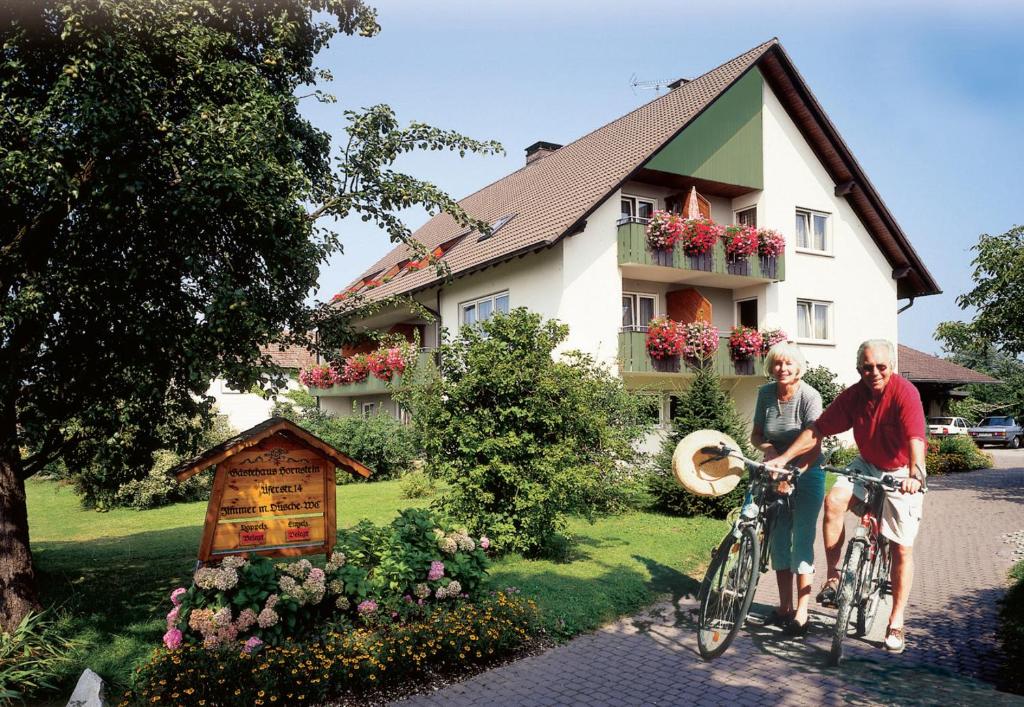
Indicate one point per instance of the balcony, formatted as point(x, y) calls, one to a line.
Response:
point(638, 262)
point(375, 386)
point(636, 363)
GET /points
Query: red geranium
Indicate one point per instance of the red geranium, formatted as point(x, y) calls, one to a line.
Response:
point(745, 342)
point(770, 243)
point(740, 241)
point(664, 339)
point(699, 235)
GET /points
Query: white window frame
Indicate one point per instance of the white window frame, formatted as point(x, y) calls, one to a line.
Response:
point(492, 298)
point(636, 309)
point(810, 214)
point(736, 310)
point(736, 213)
point(830, 321)
point(637, 200)
point(368, 409)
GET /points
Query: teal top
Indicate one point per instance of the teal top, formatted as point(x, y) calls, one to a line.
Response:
point(782, 422)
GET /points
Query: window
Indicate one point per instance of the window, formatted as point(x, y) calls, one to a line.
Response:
point(638, 310)
point(747, 217)
point(369, 409)
point(484, 308)
point(812, 231)
point(495, 226)
point(746, 313)
point(814, 320)
point(633, 207)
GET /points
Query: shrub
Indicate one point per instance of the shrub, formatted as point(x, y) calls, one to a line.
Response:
point(703, 406)
point(32, 657)
point(1011, 633)
point(334, 663)
point(522, 439)
point(157, 489)
point(418, 484)
point(826, 382)
point(417, 561)
point(955, 453)
point(842, 455)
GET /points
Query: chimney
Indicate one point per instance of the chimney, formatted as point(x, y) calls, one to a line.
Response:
point(539, 150)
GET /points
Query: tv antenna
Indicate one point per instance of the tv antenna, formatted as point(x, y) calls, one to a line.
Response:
point(656, 86)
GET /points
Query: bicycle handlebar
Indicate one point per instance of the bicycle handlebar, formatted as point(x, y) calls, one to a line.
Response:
point(722, 451)
point(886, 481)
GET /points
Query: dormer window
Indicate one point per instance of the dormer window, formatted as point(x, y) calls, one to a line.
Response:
point(495, 226)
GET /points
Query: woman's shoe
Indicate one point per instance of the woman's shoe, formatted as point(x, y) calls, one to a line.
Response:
point(827, 595)
point(796, 629)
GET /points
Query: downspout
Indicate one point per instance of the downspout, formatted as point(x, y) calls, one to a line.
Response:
point(903, 309)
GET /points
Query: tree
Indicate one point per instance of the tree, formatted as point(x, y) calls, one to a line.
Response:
point(998, 290)
point(160, 216)
point(962, 343)
point(522, 439)
point(704, 406)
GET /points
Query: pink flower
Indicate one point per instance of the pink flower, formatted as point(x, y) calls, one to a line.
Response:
point(436, 570)
point(172, 617)
point(177, 594)
point(740, 241)
point(367, 607)
point(770, 243)
point(745, 342)
point(484, 542)
point(252, 644)
point(172, 639)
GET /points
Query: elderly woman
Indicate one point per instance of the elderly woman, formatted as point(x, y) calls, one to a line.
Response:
point(784, 409)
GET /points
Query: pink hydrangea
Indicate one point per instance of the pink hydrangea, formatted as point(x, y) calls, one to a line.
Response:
point(436, 570)
point(172, 639)
point(484, 542)
point(252, 644)
point(172, 617)
point(177, 594)
point(367, 607)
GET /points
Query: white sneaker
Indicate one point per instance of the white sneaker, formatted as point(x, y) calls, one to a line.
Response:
point(895, 640)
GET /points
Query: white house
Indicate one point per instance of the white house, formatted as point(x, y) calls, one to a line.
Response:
point(245, 409)
point(568, 235)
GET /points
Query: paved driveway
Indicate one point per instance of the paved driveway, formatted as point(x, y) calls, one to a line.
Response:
point(963, 555)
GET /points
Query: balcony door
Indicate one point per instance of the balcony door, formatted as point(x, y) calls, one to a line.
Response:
point(746, 313)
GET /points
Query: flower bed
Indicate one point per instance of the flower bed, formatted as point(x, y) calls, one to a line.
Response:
point(405, 596)
point(384, 364)
point(340, 660)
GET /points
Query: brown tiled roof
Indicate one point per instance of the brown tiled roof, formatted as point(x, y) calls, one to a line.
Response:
point(583, 174)
point(919, 367)
point(290, 356)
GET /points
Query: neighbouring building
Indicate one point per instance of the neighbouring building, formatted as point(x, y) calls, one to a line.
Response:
point(745, 143)
point(244, 409)
point(937, 379)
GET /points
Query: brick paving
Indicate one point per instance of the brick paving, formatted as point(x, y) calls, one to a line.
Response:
point(962, 557)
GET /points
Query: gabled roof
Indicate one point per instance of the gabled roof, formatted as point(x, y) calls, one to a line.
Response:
point(919, 367)
point(289, 356)
point(586, 172)
point(256, 434)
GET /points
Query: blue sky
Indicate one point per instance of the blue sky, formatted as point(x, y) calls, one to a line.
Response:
point(928, 95)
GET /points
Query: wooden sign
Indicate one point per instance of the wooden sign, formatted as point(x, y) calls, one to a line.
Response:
point(273, 492)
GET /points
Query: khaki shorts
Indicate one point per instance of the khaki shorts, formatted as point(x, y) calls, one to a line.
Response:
point(901, 512)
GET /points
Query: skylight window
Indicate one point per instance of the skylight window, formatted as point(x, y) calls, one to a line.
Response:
point(495, 226)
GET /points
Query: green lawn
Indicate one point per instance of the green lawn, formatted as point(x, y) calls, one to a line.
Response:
point(111, 573)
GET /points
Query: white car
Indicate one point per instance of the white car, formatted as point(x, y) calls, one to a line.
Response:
point(944, 426)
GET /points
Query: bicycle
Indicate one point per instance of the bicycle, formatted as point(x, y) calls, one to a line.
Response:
point(728, 588)
point(864, 579)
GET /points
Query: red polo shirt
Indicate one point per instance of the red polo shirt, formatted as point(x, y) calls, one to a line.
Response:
point(882, 427)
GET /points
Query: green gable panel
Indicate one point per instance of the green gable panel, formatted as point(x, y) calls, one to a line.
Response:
point(724, 143)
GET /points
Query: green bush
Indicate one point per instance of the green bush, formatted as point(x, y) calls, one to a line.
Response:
point(1011, 633)
point(955, 453)
point(842, 455)
point(418, 484)
point(522, 439)
point(32, 657)
point(156, 489)
point(704, 406)
point(342, 662)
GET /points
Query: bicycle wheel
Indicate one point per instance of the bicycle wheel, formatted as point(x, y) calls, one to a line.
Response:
point(876, 578)
point(846, 599)
point(727, 592)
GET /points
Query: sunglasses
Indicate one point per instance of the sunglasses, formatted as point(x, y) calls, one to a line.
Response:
point(868, 367)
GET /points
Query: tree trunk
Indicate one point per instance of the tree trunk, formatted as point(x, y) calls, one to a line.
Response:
point(18, 593)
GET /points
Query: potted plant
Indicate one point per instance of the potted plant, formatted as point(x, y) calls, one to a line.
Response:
point(663, 232)
point(699, 342)
point(770, 337)
point(664, 344)
point(770, 245)
point(740, 243)
point(745, 343)
point(698, 240)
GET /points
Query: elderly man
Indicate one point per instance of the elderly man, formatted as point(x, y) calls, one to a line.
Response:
point(888, 424)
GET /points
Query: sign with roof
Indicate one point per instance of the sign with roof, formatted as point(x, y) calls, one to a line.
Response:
point(273, 492)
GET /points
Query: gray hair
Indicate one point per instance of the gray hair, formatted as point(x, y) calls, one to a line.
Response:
point(877, 345)
point(785, 349)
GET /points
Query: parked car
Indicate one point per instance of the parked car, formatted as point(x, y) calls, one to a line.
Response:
point(944, 426)
point(1002, 430)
